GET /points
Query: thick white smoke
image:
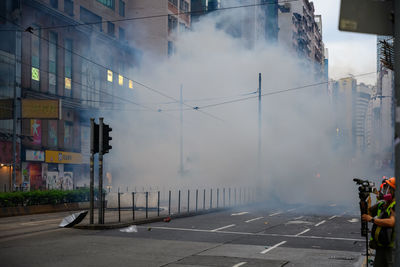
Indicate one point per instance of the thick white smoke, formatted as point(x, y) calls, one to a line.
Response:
point(299, 163)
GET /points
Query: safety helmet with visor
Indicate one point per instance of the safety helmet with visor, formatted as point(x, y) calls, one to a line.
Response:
point(388, 189)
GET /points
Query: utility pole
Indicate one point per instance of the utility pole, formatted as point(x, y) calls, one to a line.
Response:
point(92, 152)
point(100, 193)
point(181, 133)
point(397, 116)
point(259, 133)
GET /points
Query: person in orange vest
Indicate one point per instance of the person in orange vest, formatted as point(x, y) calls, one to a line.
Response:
point(383, 219)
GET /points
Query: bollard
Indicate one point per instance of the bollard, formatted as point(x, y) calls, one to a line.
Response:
point(210, 198)
point(169, 202)
point(158, 204)
point(204, 199)
point(119, 207)
point(188, 201)
point(217, 198)
point(224, 196)
point(147, 205)
point(133, 206)
point(235, 197)
point(179, 201)
point(229, 193)
point(197, 196)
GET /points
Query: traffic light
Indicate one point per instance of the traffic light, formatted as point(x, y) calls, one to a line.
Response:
point(106, 138)
point(95, 139)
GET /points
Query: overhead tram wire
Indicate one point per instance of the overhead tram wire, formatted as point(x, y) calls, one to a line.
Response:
point(268, 94)
point(163, 15)
point(106, 68)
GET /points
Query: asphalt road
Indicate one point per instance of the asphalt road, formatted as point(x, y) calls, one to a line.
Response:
point(237, 237)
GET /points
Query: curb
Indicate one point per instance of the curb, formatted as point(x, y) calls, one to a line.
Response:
point(144, 221)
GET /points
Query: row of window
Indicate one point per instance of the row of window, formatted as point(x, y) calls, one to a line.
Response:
point(173, 24)
point(183, 5)
point(90, 17)
point(90, 76)
point(69, 6)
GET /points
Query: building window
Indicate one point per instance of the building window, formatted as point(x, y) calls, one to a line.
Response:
point(110, 28)
point(68, 134)
point(108, 3)
point(35, 60)
point(130, 84)
point(183, 6)
point(109, 76)
point(121, 34)
point(54, 3)
point(52, 133)
point(68, 67)
point(120, 80)
point(170, 48)
point(121, 8)
point(90, 17)
point(172, 23)
point(52, 62)
point(69, 7)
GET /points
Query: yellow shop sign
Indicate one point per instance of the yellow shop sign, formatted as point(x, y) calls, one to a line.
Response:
point(63, 157)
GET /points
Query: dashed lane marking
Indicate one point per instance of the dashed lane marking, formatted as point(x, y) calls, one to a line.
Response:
point(321, 222)
point(257, 234)
point(240, 213)
point(290, 210)
point(239, 264)
point(305, 231)
point(224, 227)
point(298, 218)
point(254, 219)
point(276, 213)
point(271, 248)
point(334, 216)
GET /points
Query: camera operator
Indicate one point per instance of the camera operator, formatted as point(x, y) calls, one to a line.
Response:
point(382, 233)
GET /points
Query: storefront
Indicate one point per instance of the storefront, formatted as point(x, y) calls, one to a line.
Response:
point(59, 169)
point(32, 178)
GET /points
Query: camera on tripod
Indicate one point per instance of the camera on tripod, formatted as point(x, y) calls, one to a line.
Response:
point(365, 188)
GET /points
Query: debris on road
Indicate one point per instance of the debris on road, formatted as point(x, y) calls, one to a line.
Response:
point(168, 219)
point(130, 229)
point(73, 219)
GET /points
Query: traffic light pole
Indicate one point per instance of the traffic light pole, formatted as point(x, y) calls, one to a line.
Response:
point(397, 118)
point(92, 130)
point(101, 204)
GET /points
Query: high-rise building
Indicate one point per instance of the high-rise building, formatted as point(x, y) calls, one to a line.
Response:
point(157, 36)
point(46, 57)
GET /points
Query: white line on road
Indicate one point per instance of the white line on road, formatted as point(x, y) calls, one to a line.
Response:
point(291, 210)
point(321, 222)
point(240, 213)
point(276, 213)
point(239, 264)
point(298, 218)
point(305, 231)
point(231, 225)
point(257, 234)
point(271, 248)
point(254, 219)
point(334, 216)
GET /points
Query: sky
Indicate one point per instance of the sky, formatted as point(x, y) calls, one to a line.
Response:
point(349, 53)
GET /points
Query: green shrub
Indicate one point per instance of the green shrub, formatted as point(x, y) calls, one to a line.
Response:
point(12, 199)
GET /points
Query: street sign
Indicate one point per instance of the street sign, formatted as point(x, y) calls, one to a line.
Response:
point(367, 16)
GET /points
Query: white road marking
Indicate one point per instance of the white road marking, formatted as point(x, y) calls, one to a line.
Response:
point(254, 219)
point(321, 222)
point(239, 264)
point(334, 216)
point(291, 210)
point(298, 218)
point(332, 205)
point(256, 234)
point(354, 220)
point(240, 213)
point(271, 248)
point(305, 231)
point(276, 213)
point(224, 227)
